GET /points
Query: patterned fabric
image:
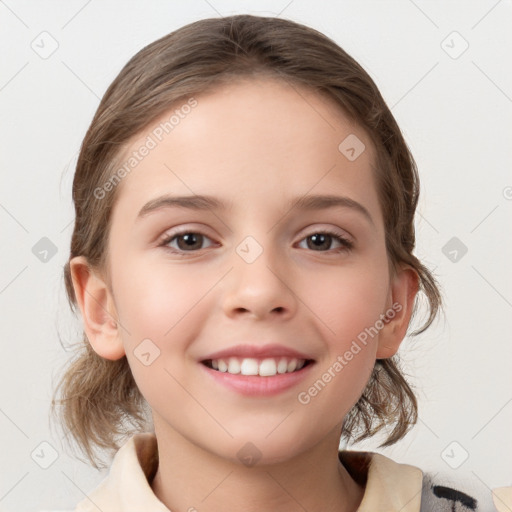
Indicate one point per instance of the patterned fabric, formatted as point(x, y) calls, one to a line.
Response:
point(467, 493)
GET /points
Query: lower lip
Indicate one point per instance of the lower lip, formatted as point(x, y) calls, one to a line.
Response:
point(255, 385)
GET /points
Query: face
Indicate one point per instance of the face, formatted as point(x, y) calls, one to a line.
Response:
point(251, 282)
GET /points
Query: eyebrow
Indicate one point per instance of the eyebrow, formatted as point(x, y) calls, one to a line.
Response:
point(203, 202)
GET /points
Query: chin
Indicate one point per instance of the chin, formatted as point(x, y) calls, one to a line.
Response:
point(259, 450)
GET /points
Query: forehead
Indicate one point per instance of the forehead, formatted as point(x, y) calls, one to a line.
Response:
point(253, 139)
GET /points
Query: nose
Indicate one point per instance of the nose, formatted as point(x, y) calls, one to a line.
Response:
point(260, 287)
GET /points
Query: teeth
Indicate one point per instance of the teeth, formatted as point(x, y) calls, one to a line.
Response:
point(267, 367)
point(249, 367)
point(264, 367)
point(233, 365)
point(282, 366)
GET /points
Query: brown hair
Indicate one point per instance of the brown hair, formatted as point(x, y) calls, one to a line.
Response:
point(100, 395)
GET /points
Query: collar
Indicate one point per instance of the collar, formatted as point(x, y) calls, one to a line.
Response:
point(388, 485)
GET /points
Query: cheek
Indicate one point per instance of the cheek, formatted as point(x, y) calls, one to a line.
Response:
point(160, 309)
point(350, 301)
point(349, 309)
point(164, 310)
point(348, 313)
point(156, 302)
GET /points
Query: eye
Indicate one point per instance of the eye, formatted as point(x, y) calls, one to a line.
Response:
point(323, 239)
point(192, 241)
point(188, 241)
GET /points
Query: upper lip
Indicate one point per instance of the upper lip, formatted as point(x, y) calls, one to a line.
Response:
point(257, 351)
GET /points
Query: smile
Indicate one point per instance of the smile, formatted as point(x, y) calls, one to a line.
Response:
point(267, 367)
point(264, 377)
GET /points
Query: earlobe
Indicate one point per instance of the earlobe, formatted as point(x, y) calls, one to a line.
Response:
point(98, 310)
point(404, 287)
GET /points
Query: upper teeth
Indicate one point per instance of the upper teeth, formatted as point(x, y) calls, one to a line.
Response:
point(263, 367)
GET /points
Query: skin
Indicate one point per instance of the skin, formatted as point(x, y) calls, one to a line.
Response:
point(255, 144)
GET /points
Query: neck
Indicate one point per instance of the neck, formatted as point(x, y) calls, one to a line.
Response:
point(190, 479)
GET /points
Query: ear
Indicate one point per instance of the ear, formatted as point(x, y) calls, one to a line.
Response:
point(403, 289)
point(98, 310)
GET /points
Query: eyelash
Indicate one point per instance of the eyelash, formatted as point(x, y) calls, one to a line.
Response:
point(346, 245)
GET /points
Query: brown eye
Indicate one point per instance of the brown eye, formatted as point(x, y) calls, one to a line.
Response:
point(323, 240)
point(187, 241)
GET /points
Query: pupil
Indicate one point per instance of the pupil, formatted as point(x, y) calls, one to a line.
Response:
point(319, 238)
point(190, 240)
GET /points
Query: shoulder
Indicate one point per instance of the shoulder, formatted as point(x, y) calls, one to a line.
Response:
point(390, 485)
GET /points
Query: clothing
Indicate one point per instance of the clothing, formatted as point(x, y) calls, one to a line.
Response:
point(389, 485)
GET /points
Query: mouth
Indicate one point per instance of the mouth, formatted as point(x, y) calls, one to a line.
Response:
point(257, 370)
point(262, 367)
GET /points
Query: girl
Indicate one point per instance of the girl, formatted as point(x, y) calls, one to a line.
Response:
point(242, 259)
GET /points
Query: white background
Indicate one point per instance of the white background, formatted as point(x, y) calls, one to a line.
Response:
point(456, 116)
